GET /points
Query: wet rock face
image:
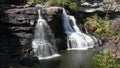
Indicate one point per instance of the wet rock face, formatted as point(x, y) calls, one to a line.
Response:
point(51, 12)
point(16, 32)
point(23, 16)
point(17, 29)
point(53, 15)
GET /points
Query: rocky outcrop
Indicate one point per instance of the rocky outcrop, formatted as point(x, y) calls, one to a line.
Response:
point(16, 32)
point(53, 15)
point(113, 46)
point(103, 6)
point(17, 29)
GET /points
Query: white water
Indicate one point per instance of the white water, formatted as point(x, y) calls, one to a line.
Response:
point(44, 42)
point(76, 38)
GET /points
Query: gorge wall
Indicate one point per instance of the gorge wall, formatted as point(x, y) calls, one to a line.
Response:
point(17, 24)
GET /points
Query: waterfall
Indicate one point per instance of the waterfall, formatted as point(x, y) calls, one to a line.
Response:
point(76, 39)
point(43, 43)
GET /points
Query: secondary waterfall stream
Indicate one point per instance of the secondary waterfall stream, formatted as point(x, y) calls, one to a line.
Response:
point(44, 42)
point(76, 38)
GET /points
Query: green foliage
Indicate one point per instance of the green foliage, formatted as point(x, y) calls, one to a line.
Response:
point(56, 2)
point(105, 60)
point(38, 1)
point(101, 26)
point(71, 4)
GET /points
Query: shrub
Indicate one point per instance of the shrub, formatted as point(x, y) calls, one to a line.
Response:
point(71, 4)
point(101, 26)
point(105, 60)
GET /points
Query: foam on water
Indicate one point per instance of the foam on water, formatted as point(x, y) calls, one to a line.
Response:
point(76, 39)
point(43, 43)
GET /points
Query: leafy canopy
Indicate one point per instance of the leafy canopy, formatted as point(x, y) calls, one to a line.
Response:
point(105, 60)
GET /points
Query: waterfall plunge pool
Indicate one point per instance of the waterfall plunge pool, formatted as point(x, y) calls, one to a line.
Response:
point(71, 59)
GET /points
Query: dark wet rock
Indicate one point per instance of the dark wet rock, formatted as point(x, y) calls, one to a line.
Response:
point(61, 43)
point(51, 12)
point(24, 35)
point(4, 59)
point(22, 16)
point(21, 29)
point(16, 31)
point(29, 61)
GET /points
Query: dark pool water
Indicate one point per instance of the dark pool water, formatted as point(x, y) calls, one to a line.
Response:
point(70, 59)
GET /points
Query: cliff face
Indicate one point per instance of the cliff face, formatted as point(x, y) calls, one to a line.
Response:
point(17, 29)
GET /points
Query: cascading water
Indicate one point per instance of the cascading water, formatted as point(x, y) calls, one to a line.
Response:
point(76, 38)
point(44, 42)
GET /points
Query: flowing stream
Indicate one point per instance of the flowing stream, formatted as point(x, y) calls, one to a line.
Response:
point(76, 38)
point(44, 42)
